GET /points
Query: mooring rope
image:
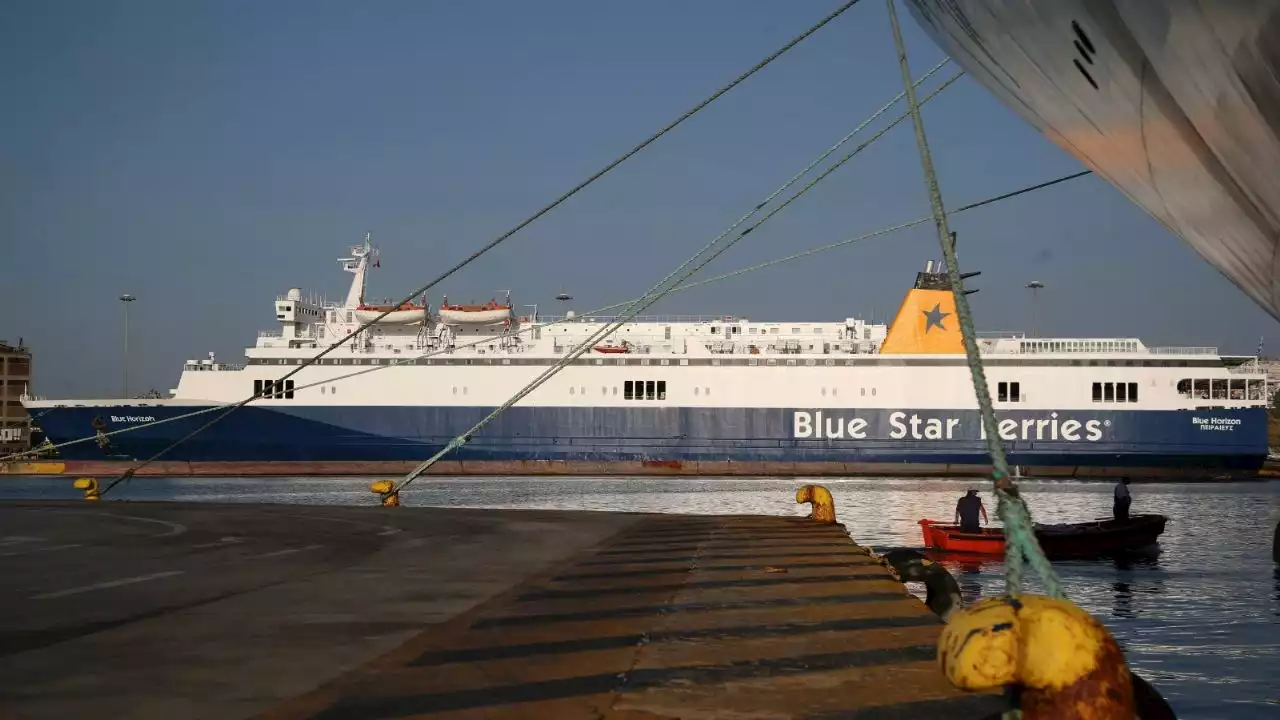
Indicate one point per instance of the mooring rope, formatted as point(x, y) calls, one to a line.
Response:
point(657, 292)
point(1020, 539)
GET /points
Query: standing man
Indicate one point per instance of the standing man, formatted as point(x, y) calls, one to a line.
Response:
point(1121, 506)
point(967, 510)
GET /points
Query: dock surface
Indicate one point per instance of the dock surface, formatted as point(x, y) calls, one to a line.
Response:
point(162, 610)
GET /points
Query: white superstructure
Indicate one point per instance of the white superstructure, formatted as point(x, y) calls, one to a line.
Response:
point(697, 361)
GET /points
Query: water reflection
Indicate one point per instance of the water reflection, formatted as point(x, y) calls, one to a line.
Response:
point(1200, 619)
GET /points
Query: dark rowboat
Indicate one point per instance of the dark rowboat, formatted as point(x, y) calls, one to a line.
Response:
point(1100, 537)
point(1072, 540)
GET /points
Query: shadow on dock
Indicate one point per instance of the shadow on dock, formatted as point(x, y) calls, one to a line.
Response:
point(149, 610)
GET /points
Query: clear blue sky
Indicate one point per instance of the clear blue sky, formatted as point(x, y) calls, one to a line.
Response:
point(206, 156)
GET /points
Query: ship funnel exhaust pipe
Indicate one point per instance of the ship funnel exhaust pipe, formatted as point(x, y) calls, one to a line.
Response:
point(928, 266)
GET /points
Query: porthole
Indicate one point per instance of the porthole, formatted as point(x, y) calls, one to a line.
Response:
point(696, 391)
point(455, 389)
point(571, 390)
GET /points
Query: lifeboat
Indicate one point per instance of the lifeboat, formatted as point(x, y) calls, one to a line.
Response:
point(1070, 540)
point(613, 349)
point(399, 315)
point(487, 314)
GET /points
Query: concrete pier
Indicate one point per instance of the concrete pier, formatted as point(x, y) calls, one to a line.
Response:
point(162, 610)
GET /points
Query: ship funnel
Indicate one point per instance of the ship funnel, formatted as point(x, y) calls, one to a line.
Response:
point(926, 323)
point(928, 266)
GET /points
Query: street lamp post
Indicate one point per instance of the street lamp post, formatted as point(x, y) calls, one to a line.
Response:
point(125, 300)
point(1035, 286)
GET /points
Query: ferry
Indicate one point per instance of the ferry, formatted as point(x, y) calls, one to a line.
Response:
point(721, 395)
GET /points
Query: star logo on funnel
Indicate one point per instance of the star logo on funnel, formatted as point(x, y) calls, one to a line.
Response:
point(933, 318)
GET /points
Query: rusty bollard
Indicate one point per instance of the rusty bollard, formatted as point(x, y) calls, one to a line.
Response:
point(90, 488)
point(1064, 661)
point(824, 507)
point(387, 493)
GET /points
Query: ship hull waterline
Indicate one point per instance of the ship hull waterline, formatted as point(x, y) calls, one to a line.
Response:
point(619, 441)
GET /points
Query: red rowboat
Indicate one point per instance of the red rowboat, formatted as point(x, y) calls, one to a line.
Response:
point(1098, 537)
point(949, 538)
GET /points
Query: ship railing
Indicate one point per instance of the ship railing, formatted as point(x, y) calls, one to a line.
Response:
point(212, 367)
point(1185, 350)
point(270, 334)
point(547, 319)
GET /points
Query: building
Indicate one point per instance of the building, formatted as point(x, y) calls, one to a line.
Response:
point(15, 378)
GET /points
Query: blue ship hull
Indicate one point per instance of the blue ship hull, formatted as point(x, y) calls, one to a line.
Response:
point(1226, 439)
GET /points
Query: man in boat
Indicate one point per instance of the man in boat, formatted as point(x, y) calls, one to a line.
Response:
point(967, 510)
point(1121, 506)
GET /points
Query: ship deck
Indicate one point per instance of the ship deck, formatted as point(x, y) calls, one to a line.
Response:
point(161, 610)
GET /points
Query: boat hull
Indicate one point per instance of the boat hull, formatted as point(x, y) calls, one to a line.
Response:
point(670, 437)
point(396, 317)
point(1074, 540)
point(475, 317)
point(1176, 103)
point(949, 539)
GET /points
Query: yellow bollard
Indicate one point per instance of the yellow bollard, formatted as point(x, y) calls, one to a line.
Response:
point(386, 488)
point(824, 507)
point(1065, 662)
point(90, 487)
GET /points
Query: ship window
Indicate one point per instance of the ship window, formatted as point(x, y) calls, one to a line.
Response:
point(662, 389)
point(1108, 392)
point(1122, 394)
point(649, 390)
point(615, 389)
point(1015, 392)
point(1097, 392)
point(571, 390)
point(288, 389)
point(1133, 392)
point(773, 330)
point(627, 392)
point(696, 390)
point(1003, 389)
